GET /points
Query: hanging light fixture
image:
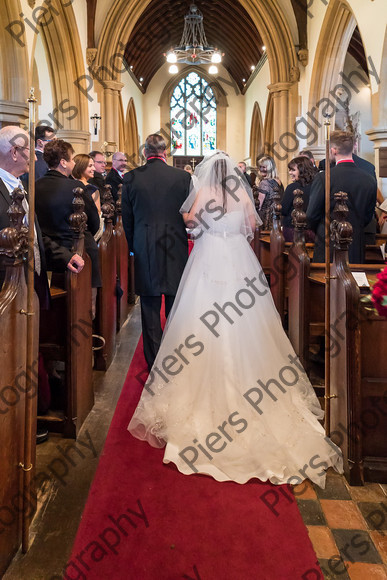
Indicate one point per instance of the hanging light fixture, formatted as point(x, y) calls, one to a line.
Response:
point(193, 48)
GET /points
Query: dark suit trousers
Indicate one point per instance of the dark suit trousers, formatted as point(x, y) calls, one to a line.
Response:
point(151, 324)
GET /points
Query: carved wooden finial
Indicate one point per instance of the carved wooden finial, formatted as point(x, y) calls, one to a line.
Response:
point(78, 219)
point(277, 207)
point(119, 200)
point(341, 229)
point(14, 239)
point(298, 214)
point(107, 207)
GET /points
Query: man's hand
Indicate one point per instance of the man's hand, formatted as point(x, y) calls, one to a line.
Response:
point(76, 264)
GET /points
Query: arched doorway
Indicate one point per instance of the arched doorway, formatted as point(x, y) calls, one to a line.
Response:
point(131, 136)
point(256, 134)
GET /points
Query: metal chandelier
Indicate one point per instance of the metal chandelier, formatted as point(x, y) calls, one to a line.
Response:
point(194, 48)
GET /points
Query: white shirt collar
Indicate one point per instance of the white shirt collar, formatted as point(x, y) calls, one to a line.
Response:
point(10, 181)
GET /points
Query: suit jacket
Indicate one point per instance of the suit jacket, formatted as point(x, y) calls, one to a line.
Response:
point(54, 197)
point(98, 180)
point(361, 189)
point(53, 255)
point(151, 198)
point(288, 198)
point(114, 179)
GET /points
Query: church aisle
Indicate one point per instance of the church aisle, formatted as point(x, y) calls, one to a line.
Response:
point(339, 520)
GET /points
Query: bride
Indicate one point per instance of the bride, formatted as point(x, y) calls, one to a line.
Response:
point(227, 396)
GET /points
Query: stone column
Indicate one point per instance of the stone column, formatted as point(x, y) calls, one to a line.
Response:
point(13, 113)
point(80, 140)
point(285, 145)
point(379, 138)
point(110, 115)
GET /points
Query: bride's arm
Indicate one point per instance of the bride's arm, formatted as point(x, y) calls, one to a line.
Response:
point(189, 218)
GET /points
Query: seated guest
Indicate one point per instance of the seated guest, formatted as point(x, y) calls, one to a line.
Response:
point(115, 176)
point(267, 182)
point(302, 173)
point(361, 190)
point(54, 197)
point(99, 177)
point(84, 171)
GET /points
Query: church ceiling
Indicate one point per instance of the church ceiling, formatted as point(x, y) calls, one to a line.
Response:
point(227, 25)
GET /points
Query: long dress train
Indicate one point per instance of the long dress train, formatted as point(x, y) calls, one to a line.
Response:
point(227, 395)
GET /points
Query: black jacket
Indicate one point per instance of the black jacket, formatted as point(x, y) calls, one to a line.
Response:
point(288, 198)
point(361, 190)
point(154, 228)
point(114, 179)
point(54, 197)
point(98, 180)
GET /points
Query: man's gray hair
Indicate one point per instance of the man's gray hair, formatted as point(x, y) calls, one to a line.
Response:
point(11, 136)
point(154, 145)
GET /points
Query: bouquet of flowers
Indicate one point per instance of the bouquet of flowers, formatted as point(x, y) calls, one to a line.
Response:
point(379, 293)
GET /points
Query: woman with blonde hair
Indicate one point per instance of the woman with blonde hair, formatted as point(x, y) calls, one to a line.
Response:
point(266, 185)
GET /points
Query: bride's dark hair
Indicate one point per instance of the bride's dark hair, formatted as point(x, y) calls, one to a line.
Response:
point(220, 168)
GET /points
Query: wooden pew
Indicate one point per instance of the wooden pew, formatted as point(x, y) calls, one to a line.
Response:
point(66, 334)
point(17, 492)
point(358, 366)
point(277, 259)
point(123, 271)
point(107, 295)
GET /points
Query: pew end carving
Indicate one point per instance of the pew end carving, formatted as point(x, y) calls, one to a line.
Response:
point(357, 364)
point(14, 372)
point(106, 318)
point(298, 265)
point(123, 265)
point(66, 332)
point(277, 258)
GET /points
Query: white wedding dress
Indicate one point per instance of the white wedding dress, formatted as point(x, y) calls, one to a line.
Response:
point(227, 395)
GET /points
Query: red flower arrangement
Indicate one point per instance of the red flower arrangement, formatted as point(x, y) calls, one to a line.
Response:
point(379, 293)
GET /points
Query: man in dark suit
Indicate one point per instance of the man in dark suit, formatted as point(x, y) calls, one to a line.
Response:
point(14, 161)
point(242, 167)
point(155, 231)
point(361, 190)
point(43, 135)
point(99, 178)
point(115, 176)
point(54, 197)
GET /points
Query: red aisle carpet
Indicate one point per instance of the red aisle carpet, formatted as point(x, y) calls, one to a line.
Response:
point(146, 521)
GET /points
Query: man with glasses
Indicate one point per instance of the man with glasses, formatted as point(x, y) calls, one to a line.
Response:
point(43, 135)
point(116, 174)
point(99, 169)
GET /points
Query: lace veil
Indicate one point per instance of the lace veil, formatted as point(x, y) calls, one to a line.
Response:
point(221, 199)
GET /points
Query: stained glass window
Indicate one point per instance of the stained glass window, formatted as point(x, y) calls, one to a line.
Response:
point(193, 117)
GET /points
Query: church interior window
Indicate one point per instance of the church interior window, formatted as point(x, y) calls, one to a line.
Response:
point(193, 117)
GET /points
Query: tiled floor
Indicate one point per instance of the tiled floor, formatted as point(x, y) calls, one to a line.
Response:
point(347, 527)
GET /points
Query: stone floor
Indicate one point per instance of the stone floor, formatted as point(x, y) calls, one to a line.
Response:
point(347, 525)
